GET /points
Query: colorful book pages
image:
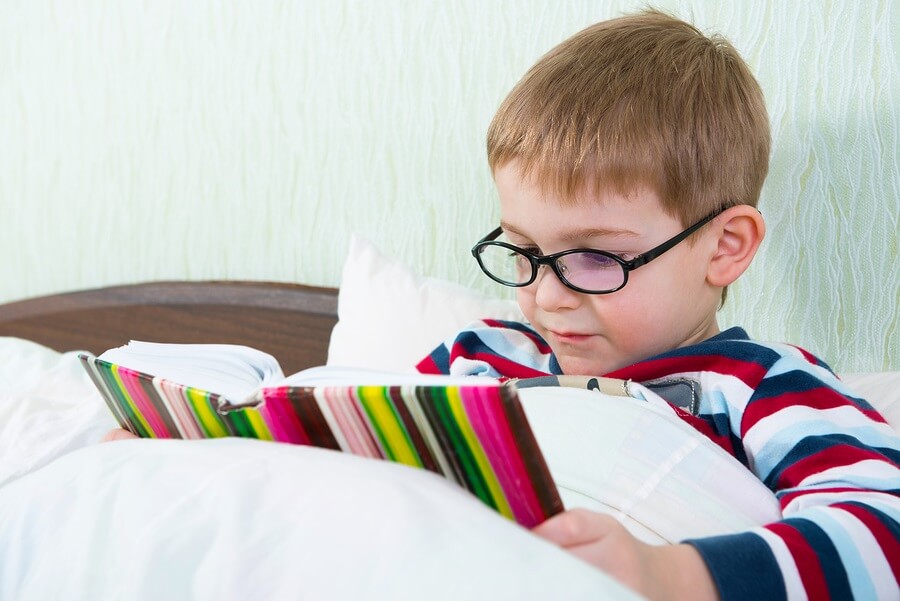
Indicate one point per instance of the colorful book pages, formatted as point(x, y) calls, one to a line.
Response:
point(477, 436)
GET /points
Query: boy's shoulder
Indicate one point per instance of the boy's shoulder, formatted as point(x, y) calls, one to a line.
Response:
point(735, 343)
point(493, 347)
point(734, 354)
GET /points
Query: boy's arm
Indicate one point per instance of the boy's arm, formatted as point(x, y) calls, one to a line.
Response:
point(834, 465)
point(830, 459)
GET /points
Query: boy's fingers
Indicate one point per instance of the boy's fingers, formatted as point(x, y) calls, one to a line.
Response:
point(117, 434)
point(576, 527)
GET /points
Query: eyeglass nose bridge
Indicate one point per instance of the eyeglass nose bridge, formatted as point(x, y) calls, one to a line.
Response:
point(556, 265)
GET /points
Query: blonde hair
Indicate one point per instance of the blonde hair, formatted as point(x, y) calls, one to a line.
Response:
point(642, 99)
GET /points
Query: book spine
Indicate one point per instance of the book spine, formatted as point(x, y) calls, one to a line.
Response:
point(535, 465)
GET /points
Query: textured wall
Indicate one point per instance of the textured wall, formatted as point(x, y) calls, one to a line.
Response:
point(205, 139)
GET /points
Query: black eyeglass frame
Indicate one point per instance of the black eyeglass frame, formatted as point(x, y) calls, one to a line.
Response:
point(552, 260)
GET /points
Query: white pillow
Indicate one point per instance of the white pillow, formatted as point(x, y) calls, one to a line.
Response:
point(390, 318)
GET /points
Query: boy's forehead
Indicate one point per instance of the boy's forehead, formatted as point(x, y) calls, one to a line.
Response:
point(529, 211)
point(570, 233)
point(513, 182)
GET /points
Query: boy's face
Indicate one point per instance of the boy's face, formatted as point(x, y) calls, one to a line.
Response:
point(666, 303)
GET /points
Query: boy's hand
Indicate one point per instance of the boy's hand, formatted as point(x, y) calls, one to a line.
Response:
point(656, 572)
point(117, 434)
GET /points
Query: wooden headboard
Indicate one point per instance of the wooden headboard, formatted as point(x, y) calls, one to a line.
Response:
point(291, 322)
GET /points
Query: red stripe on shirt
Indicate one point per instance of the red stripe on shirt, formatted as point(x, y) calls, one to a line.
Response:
point(810, 358)
point(747, 371)
point(804, 556)
point(818, 398)
point(428, 366)
point(705, 428)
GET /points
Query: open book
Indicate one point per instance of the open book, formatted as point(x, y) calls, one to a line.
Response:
point(471, 430)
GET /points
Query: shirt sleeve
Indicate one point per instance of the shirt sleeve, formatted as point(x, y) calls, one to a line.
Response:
point(834, 465)
point(494, 348)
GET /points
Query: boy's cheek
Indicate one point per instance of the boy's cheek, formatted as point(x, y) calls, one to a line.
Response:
point(526, 303)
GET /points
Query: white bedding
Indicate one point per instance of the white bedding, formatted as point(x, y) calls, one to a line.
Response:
point(47, 407)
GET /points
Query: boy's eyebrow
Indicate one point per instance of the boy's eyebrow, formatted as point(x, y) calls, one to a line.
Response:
point(579, 233)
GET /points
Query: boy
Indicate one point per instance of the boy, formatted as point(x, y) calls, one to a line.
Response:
point(641, 133)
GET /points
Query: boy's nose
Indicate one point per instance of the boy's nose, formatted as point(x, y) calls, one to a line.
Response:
point(550, 294)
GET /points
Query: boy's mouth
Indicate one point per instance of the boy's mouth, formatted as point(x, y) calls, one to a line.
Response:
point(568, 337)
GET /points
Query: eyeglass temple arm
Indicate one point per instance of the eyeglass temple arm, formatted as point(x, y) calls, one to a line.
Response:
point(492, 236)
point(651, 254)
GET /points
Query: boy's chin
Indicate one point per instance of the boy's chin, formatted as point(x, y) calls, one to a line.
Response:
point(585, 366)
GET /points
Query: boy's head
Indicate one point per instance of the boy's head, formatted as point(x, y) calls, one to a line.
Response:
point(642, 99)
point(621, 139)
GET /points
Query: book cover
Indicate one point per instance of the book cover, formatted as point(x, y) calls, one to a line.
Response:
point(475, 434)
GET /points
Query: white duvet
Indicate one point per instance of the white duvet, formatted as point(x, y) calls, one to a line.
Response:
point(243, 519)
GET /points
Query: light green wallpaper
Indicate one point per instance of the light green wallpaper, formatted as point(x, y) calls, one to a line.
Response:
point(247, 140)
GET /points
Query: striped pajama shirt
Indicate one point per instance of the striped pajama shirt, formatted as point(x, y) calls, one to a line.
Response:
point(831, 460)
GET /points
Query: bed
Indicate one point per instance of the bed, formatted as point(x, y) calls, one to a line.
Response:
point(238, 519)
point(290, 321)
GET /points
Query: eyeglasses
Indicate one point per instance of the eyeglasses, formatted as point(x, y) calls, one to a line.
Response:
point(584, 270)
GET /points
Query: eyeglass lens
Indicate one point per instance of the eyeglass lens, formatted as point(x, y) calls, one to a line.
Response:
point(591, 271)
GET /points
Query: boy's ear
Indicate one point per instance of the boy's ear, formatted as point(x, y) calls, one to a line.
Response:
point(740, 231)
